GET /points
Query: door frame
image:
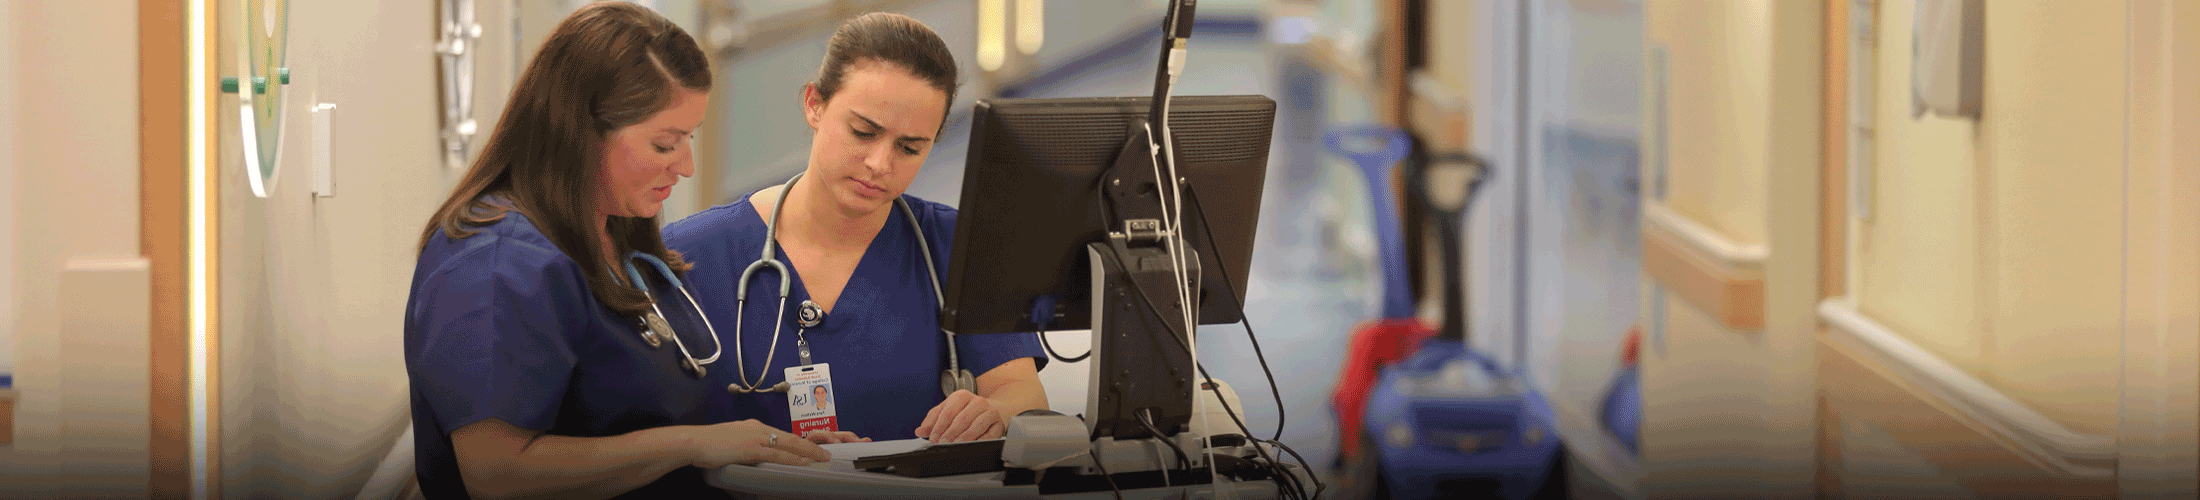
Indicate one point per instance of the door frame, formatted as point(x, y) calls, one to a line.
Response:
point(163, 189)
point(2156, 439)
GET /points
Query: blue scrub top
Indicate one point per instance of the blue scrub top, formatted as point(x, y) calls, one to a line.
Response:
point(882, 338)
point(501, 324)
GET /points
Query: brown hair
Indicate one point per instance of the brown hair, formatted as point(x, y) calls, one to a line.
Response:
point(607, 66)
point(891, 38)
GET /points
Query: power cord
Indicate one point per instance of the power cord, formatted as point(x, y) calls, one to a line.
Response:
point(1104, 474)
point(1221, 267)
point(1042, 315)
point(1183, 460)
point(1275, 465)
point(1049, 346)
point(1192, 195)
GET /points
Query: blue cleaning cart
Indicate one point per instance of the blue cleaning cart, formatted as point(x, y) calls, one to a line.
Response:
point(1449, 422)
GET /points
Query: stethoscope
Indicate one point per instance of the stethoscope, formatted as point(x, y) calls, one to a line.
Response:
point(654, 327)
point(954, 379)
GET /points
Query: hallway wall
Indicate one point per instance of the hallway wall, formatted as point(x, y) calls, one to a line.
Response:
point(70, 105)
point(1730, 247)
point(1720, 71)
point(1988, 238)
point(312, 290)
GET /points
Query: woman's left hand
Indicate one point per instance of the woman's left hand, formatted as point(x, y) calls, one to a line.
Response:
point(962, 417)
point(834, 437)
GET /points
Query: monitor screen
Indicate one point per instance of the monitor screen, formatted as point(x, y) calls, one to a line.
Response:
point(1031, 201)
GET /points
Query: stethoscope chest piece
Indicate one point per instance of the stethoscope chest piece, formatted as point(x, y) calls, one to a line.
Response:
point(654, 329)
point(957, 380)
point(809, 315)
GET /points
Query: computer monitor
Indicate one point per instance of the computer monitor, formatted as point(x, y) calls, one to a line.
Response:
point(1031, 202)
point(1048, 180)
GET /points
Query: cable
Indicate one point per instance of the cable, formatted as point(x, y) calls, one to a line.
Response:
point(1319, 488)
point(1049, 346)
point(1104, 474)
point(1183, 460)
point(1235, 301)
point(1168, 187)
point(1275, 465)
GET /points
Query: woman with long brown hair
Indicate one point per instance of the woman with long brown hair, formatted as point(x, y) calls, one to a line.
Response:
point(552, 348)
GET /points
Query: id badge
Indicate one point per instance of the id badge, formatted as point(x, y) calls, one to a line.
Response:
point(811, 403)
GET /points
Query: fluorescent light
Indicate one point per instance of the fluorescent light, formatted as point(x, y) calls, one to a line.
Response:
point(992, 34)
point(1031, 25)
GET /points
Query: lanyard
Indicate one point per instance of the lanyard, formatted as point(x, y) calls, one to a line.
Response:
point(808, 315)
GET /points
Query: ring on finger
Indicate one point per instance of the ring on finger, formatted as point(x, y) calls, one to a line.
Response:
point(774, 439)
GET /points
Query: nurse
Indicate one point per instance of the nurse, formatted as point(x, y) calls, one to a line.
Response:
point(524, 335)
point(862, 316)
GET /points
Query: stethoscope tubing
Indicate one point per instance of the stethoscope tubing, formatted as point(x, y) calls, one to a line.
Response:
point(636, 275)
point(769, 259)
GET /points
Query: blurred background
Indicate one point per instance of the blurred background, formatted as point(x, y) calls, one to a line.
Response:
point(1722, 248)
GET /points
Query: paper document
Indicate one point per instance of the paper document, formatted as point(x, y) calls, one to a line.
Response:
point(852, 451)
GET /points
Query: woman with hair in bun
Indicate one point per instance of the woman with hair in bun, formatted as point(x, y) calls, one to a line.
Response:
point(862, 260)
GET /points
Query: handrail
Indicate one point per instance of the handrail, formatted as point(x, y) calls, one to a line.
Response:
point(1704, 237)
point(1704, 268)
point(2075, 453)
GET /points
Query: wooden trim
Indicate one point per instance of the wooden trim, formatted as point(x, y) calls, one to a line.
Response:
point(1712, 276)
point(1391, 77)
point(1833, 180)
point(2162, 234)
point(162, 191)
point(1832, 223)
point(1855, 385)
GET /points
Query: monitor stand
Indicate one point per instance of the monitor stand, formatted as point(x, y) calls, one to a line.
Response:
point(1136, 372)
point(1142, 362)
point(1143, 373)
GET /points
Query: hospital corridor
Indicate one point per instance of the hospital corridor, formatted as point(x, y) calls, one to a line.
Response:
point(1100, 249)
